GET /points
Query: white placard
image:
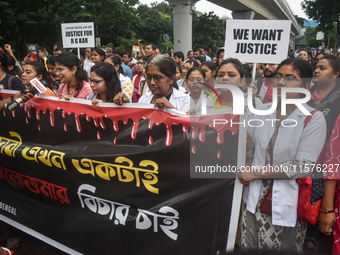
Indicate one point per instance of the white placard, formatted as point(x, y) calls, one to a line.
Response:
point(320, 35)
point(257, 41)
point(78, 35)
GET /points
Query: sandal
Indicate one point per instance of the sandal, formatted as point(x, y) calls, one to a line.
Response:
point(13, 243)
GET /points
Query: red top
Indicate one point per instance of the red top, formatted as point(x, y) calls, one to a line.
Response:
point(332, 159)
point(83, 93)
point(268, 98)
point(316, 99)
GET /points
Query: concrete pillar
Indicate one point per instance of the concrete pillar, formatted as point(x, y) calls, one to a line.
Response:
point(243, 14)
point(182, 24)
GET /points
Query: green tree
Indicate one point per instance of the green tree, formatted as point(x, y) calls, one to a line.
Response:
point(35, 21)
point(310, 35)
point(155, 21)
point(325, 12)
point(208, 29)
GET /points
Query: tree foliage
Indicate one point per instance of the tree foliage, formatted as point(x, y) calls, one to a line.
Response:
point(311, 37)
point(155, 21)
point(119, 23)
point(208, 29)
point(325, 12)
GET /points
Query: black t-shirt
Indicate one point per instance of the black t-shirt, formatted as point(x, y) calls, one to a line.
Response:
point(16, 83)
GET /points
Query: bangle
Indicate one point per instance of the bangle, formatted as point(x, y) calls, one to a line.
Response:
point(12, 98)
point(6, 250)
point(326, 211)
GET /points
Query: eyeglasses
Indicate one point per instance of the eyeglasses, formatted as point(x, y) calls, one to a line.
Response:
point(198, 79)
point(287, 78)
point(58, 70)
point(95, 81)
point(157, 77)
point(271, 65)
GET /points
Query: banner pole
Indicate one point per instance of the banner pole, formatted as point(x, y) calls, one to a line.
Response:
point(79, 53)
point(253, 73)
point(238, 187)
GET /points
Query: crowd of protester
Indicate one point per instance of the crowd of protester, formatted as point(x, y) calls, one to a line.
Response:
point(172, 80)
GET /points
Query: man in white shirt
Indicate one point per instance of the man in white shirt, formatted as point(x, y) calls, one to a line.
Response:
point(87, 62)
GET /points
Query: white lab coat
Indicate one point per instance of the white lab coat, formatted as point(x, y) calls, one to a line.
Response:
point(178, 99)
point(291, 143)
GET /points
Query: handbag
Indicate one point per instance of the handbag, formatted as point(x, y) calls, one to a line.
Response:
point(266, 205)
point(306, 210)
point(310, 191)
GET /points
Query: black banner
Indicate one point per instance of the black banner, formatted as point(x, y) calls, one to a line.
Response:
point(113, 180)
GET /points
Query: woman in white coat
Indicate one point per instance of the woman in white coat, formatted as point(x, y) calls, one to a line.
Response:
point(164, 93)
point(286, 143)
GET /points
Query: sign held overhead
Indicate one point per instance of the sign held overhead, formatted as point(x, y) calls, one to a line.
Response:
point(257, 41)
point(78, 35)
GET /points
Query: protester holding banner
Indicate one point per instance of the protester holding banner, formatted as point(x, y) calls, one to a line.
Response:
point(160, 76)
point(104, 83)
point(35, 69)
point(125, 82)
point(18, 95)
point(74, 81)
point(282, 153)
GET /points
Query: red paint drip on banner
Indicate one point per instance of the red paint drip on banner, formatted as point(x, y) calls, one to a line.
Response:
point(101, 123)
point(52, 119)
point(115, 126)
point(193, 149)
point(198, 128)
point(77, 123)
point(197, 124)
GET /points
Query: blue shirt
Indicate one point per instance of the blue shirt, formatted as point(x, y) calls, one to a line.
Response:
point(127, 71)
point(15, 82)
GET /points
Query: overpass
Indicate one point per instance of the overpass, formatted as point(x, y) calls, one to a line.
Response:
point(241, 9)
